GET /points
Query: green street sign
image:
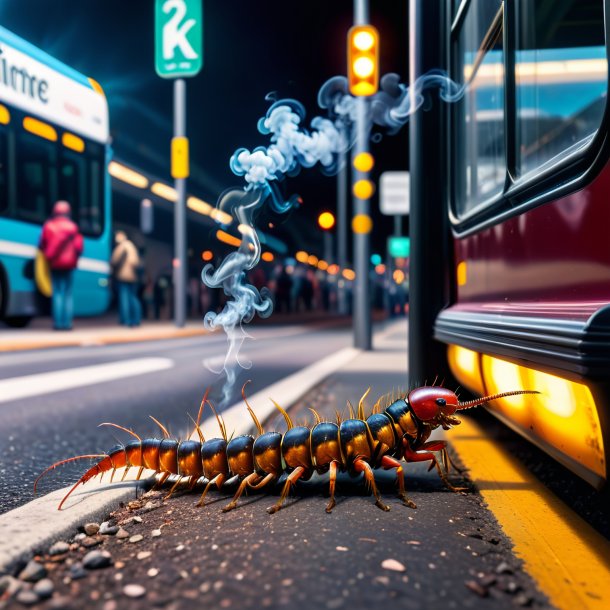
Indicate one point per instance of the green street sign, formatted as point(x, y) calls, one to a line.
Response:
point(178, 37)
point(399, 247)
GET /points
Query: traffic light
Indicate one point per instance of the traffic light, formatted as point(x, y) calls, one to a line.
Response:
point(363, 60)
point(326, 221)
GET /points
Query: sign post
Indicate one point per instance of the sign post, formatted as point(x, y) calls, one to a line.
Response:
point(178, 54)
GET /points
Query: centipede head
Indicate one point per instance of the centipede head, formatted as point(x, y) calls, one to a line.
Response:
point(436, 406)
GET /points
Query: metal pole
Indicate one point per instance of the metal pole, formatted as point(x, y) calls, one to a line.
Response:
point(431, 249)
point(180, 261)
point(342, 229)
point(397, 225)
point(362, 307)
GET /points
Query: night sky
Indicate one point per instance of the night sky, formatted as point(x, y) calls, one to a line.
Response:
point(250, 50)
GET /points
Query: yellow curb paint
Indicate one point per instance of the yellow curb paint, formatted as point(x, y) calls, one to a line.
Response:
point(18, 346)
point(568, 559)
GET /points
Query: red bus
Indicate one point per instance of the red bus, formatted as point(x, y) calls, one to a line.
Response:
point(510, 216)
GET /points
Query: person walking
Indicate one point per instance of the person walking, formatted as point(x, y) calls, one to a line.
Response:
point(61, 244)
point(125, 264)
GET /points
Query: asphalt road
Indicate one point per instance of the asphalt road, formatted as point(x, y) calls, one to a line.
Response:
point(47, 426)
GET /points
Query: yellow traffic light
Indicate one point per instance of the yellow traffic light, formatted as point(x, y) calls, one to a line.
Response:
point(363, 60)
point(326, 221)
point(364, 162)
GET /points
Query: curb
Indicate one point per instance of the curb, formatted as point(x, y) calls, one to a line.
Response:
point(19, 346)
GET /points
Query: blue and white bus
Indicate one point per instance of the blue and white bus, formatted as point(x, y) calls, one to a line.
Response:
point(54, 144)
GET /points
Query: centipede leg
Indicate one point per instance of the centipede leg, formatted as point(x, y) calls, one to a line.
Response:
point(164, 476)
point(424, 456)
point(448, 461)
point(293, 477)
point(218, 480)
point(388, 462)
point(331, 488)
point(361, 466)
point(173, 489)
point(240, 490)
point(127, 469)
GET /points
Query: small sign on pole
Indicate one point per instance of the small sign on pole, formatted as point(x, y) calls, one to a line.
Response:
point(178, 38)
point(394, 193)
point(399, 247)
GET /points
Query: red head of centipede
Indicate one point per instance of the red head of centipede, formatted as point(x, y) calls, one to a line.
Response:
point(433, 404)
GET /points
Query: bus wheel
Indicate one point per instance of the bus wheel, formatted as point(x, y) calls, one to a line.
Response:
point(18, 321)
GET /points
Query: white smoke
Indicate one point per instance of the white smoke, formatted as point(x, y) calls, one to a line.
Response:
point(293, 147)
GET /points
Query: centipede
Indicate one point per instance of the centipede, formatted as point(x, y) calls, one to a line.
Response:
point(389, 437)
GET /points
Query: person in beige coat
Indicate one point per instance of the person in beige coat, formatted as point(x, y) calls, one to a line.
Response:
point(125, 262)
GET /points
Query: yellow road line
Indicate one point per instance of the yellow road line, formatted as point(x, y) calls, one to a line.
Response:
point(569, 560)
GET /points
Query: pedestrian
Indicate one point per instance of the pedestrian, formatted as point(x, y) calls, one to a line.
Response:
point(125, 264)
point(61, 244)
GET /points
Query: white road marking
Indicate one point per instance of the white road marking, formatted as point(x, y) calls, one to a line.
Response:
point(56, 381)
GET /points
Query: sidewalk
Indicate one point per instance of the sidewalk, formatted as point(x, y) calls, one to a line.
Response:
point(105, 330)
point(353, 370)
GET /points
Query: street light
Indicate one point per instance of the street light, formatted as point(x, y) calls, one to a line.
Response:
point(363, 60)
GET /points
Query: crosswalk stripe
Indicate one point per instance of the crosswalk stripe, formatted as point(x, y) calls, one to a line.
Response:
point(57, 381)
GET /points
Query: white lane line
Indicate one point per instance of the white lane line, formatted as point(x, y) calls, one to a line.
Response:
point(45, 383)
point(287, 391)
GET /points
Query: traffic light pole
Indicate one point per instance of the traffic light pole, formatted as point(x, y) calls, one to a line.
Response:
point(342, 224)
point(179, 263)
point(361, 300)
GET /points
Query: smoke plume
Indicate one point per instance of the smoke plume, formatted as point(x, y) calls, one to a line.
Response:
point(294, 146)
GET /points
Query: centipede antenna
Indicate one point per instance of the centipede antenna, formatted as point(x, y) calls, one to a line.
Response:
point(62, 462)
point(121, 428)
point(479, 401)
point(163, 428)
point(220, 420)
point(316, 415)
point(257, 423)
point(361, 404)
point(289, 423)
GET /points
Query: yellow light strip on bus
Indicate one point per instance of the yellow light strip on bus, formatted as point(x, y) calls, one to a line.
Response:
point(125, 174)
point(199, 206)
point(465, 366)
point(165, 191)
point(5, 115)
point(227, 238)
point(69, 140)
point(38, 128)
point(563, 416)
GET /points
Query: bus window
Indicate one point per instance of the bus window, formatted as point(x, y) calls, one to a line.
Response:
point(561, 76)
point(92, 215)
point(481, 154)
point(36, 179)
point(72, 182)
point(3, 172)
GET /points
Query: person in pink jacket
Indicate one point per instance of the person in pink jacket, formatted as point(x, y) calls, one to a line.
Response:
point(62, 244)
